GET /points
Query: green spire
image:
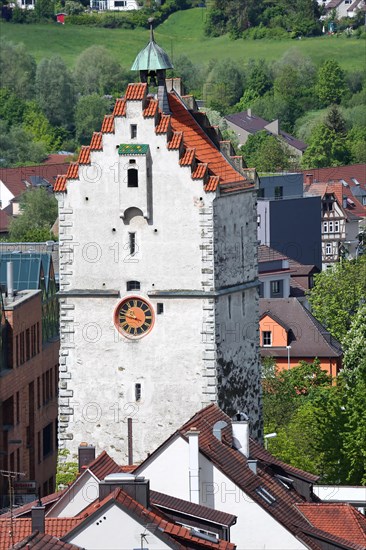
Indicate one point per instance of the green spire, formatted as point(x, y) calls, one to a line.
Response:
point(152, 57)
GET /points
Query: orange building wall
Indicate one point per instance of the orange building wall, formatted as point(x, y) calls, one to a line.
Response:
point(279, 334)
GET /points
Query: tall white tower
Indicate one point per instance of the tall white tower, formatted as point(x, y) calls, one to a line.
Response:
point(158, 274)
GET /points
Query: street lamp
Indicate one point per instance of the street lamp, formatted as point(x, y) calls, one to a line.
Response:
point(267, 437)
point(288, 356)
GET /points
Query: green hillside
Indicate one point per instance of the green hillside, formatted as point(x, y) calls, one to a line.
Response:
point(181, 33)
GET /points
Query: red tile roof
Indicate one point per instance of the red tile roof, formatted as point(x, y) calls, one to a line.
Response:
point(136, 91)
point(60, 184)
point(120, 107)
point(188, 157)
point(15, 178)
point(96, 143)
point(341, 520)
point(195, 137)
point(73, 171)
point(4, 221)
point(57, 159)
point(163, 124)
point(151, 108)
point(84, 155)
point(176, 140)
point(22, 527)
point(213, 182)
point(103, 465)
point(153, 516)
point(337, 173)
point(200, 171)
point(41, 541)
point(108, 124)
point(26, 508)
point(353, 210)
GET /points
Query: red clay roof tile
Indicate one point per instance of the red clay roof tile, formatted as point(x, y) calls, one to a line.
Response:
point(188, 157)
point(120, 107)
point(84, 155)
point(108, 124)
point(60, 184)
point(96, 143)
point(41, 541)
point(103, 465)
point(136, 91)
point(151, 108)
point(73, 171)
point(163, 125)
point(341, 520)
point(176, 140)
point(200, 171)
point(22, 527)
point(213, 182)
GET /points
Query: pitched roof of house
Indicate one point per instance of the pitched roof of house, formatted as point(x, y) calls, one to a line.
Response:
point(333, 4)
point(167, 502)
point(4, 221)
point(252, 123)
point(183, 133)
point(26, 508)
point(341, 520)
point(353, 174)
point(22, 527)
point(18, 179)
point(171, 532)
point(353, 208)
point(310, 338)
point(41, 541)
point(268, 254)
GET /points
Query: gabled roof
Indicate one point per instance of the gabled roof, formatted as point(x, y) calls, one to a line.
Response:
point(341, 520)
point(183, 134)
point(25, 510)
point(353, 209)
point(103, 465)
point(311, 339)
point(350, 173)
point(15, 178)
point(170, 532)
point(22, 527)
point(41, 541)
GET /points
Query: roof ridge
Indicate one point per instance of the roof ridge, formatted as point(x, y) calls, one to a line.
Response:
point(316, 323)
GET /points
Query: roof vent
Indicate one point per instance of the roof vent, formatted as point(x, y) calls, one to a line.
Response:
point(218, 427)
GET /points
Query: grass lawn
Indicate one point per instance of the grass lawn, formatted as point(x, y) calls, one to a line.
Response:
point(181, 33)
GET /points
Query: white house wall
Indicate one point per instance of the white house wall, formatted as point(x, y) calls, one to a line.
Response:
point(5, 195)
point(82, 493)
point(115, 529)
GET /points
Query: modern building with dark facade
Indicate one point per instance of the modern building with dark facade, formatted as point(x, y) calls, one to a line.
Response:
point(28, 375)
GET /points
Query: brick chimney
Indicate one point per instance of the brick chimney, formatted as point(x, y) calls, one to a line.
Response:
point(86, 454)
point(309, 179)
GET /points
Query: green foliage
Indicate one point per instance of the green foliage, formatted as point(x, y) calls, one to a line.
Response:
point(192, 74)
point(331, 83)
point(90, 111)
point(18, 148)
point(356, 143)
point(73, 8)
point(224, 85)
point(38, 214)
point(11, 107)
point(44, 9)
point(338, 294)
point(96, 72)
point(55, 91)
point(17, 69)
point(66, 470)
point(37, 124)
point(266, 153)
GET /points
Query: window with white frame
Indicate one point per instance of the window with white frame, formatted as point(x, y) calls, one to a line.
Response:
point(266, 338)
point(330, 227)
point(275, 287)
point(328, 249)
point(336, 226)
point(325, 227)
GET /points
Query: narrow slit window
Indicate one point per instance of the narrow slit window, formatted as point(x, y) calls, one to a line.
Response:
point(132, 178)
point(160, 309)
point(133, 130)
point(137, 392)
point(229, 306)
point(132, 243)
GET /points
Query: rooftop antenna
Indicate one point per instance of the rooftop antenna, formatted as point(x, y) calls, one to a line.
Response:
point(11, 476)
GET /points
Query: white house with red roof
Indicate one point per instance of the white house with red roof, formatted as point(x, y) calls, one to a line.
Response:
point(158, 274)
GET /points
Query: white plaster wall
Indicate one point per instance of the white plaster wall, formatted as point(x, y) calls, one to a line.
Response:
point(115, 529)
point(267, 279)
point(83, 492)
point(255, 528)
point(5, 195)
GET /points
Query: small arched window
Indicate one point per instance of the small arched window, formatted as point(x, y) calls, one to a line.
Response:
point(133, 285)
point(132, 178)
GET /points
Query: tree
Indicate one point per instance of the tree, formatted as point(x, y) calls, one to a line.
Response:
point(55, 91)
point(44, 9)
point(17, 69)
point(258, 77)
point(338, 294)
point(97, 72)
point(38, 214)
point(224, 86)
point(192, 74)
point(11, 107)
point(37, 124)
point(18, 148)
point(330, 85)
point(90, 111)
point(266, 153)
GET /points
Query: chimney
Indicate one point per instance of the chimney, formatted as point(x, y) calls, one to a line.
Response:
point(194, 470)
point(38, 517)
point(137, 487)
point(86, 454)
point(309, 179)
point(249, 113)
point(218, 427)
point(252, 463)
point(10, 279)
point(241, 436)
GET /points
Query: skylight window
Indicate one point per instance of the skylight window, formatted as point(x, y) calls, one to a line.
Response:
point(265, 495)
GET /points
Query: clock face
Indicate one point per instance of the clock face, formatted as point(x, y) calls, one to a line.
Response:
point(134, 317)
